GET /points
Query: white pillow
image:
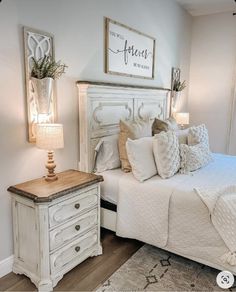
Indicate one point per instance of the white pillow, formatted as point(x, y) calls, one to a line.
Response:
point(140, 155)
point(194, 157)
point(107, 154)
point(133, 130)
point(166, 153)
point(198, 134)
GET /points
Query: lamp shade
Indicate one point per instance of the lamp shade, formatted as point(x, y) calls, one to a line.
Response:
point(49, 136)
point(182, 118)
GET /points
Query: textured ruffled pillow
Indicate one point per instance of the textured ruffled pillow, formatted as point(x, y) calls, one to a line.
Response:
point(198, 134)
point(193, 157)
point(131, 130)
point(164, 125)
point(166, 153)
point(141, 158)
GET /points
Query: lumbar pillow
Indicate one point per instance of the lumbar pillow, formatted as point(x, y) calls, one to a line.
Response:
point(141, 158)
point(194, 157)
point(166, 153)
point(131, 130)
point(166, 125)
point(198, 134)
point(107, 154)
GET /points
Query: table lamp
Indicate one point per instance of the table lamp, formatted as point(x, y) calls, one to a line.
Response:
point(50, 137)
point(182, 119)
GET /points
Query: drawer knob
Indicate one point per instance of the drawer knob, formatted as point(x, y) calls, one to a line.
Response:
point(77, 227)
point(77, 206)
point(77, 248)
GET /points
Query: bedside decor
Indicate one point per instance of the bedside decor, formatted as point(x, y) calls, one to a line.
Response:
point(55, 226)
point(50, 137)
point(182, 119)
point(43, 73)
point(37, 44)
point(127, 51)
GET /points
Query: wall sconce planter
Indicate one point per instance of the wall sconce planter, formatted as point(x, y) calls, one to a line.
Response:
point(38, 44)
point(42, 94)
point(176, 88)
point(175, 98)
point(175, 77)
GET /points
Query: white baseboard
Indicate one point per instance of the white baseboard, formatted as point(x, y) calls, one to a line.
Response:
point(6, 266)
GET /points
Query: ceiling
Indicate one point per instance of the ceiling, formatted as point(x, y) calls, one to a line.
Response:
point(204, 7)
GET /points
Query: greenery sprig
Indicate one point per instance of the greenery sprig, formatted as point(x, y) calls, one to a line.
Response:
point(47, 67)
point(179, 86)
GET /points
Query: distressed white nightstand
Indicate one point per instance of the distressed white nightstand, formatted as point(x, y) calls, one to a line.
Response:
point(56, 225)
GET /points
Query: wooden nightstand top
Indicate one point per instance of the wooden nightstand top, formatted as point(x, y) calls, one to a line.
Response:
point(40, 191)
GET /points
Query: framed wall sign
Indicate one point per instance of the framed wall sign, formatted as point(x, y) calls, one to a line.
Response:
point(127, 51)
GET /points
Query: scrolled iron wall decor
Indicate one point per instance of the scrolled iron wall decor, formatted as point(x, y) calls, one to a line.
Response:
point(37, 44)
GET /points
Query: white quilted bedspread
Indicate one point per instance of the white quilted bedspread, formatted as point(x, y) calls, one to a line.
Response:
point(170, 214)
point(221, 203)
point(142, 211)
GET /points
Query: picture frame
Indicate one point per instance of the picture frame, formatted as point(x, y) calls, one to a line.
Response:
point(37, 43)
point(128, 52)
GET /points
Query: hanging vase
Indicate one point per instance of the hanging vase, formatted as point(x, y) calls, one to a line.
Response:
point(42, 94)
point(175, 98)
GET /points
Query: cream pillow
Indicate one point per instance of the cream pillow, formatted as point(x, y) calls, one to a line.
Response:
point(132, 130)
point(140, 154)
point(166, 153)
point(194, 157)
point(164, 125)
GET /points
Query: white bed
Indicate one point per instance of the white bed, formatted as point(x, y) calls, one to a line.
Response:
point(190, 231)
point(110, 185)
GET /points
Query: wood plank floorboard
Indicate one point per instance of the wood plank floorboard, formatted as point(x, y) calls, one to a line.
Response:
point(88, 275)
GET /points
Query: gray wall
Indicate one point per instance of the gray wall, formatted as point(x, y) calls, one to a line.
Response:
point(78, 29)
point(212, 77)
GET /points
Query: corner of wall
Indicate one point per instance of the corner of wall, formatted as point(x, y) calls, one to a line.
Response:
point(6, 266)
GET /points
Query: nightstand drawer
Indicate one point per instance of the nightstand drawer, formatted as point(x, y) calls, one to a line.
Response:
point(74, 253)
point(72, 229)
point(70, 208)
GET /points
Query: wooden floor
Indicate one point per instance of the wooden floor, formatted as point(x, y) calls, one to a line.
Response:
point(89, 274)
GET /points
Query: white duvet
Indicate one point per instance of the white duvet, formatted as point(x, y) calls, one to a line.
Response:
point(170, 214)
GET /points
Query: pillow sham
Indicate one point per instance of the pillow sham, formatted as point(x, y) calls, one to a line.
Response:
point(132, 130)
point(164, 125)
point(141, 158)
point(106, 154)
point(166, 153)
point(198, 134)
point(194, 157)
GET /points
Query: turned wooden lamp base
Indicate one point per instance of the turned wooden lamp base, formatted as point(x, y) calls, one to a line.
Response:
point(51, 165)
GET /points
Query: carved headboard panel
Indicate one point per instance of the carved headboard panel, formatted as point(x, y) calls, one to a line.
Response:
point(102, 105)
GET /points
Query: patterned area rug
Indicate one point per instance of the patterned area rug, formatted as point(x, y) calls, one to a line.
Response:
point(153, 269)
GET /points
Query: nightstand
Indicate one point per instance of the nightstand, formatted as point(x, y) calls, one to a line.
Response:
point(56, 225)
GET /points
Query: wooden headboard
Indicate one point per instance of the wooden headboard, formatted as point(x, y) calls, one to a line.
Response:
point(102, 105)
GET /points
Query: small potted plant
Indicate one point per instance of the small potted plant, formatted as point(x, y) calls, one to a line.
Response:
point(178, 86)
point(43, 73)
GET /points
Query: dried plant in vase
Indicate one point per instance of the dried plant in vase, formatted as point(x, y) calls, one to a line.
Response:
point(43, 73)
point(178, 86)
